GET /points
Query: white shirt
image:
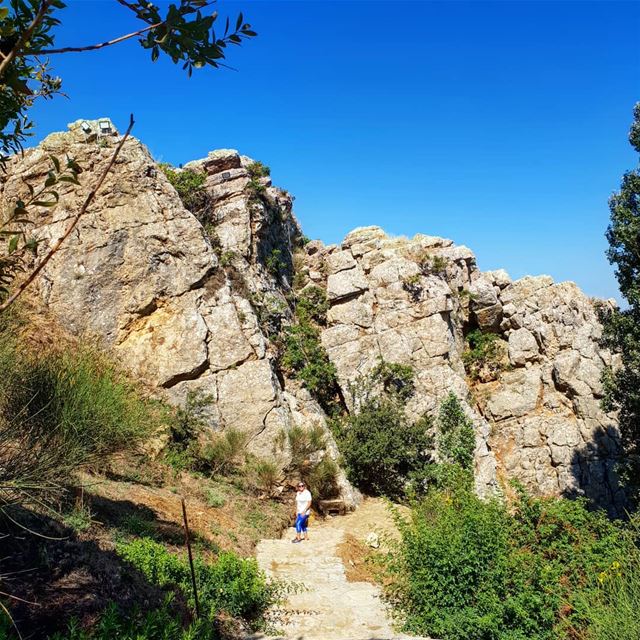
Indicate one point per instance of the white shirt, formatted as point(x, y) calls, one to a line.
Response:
point(302, 499)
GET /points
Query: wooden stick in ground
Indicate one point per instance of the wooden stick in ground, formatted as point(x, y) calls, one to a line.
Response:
point(193, 572)
point(58, 243)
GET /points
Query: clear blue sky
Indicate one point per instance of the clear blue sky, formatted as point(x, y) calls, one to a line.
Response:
point(500, 125)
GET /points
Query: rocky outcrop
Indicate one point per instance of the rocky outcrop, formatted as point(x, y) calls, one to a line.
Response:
point(194, 304)
point(178, 304)
point(412, 301)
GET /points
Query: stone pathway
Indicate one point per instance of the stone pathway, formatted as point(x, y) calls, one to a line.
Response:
point(328, 607)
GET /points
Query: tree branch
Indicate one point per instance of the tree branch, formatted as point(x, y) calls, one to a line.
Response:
point(58, 243)
point(93, 47)
point(25, 36)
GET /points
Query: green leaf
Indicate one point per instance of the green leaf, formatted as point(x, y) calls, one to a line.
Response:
point(71, 179)
point(43, 203)
point(13, 244)
point(56, 163)
point(51, 179)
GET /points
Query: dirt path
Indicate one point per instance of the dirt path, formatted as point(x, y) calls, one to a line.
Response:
point(329, 607)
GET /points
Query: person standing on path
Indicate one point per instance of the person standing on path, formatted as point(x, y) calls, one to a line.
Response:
point(303, 511)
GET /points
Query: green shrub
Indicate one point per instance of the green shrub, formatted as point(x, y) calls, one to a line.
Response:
point(469, 568)
point(413, 286)
point(432, 264)
point(189, 184)
point(275, 264)
point(158, 624)
point(304, 358)
point(224, 452)
point(395, 378)
point(319, 473)
point(484, 357)
point(312, 305)
point(59, 410)
point(611, 606)
point(265, 476)
point(230, 584)
point(304, 443)
point(456, 440)
point(258, 170)
point(187, 423)
point(322, 479)
point(381, 448)
point(215, 499)
point(79, 518)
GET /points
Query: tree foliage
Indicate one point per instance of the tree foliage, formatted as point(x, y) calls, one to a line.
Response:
point(622, 326)
point(382, 449)
point(184, 31)
point(456, 437)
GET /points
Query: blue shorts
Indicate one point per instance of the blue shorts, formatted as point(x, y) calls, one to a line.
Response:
point(301, 523)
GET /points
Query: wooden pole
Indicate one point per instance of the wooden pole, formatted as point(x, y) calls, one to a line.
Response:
point(193, 572)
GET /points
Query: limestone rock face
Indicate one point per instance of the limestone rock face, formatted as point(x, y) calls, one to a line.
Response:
point(196, 304)
point(539, 420)
point(177, 303)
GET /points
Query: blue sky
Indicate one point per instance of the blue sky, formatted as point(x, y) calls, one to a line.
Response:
point(501, 125)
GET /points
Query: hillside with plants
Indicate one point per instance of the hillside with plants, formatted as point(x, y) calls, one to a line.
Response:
point(188, 343)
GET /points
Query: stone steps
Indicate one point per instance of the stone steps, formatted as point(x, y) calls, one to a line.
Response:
point(324, 605)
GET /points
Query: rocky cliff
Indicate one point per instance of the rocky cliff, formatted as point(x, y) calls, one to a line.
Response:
point(192, 303)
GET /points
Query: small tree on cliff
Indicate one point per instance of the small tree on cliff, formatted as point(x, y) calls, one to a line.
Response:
point(184, 31)
point(622, 327)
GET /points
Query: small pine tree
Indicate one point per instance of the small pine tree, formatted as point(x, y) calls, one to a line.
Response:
point(456, 438)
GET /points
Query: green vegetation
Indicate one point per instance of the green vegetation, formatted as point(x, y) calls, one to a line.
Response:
point(484, 357)
point(302, 355)
point(622, 326)
point(534, 570)
point(275, 264)
point(189, 184)
point(381, 448)
point(258, 170)
point(312, 305)
point(156, 624)
point(304, 358)
point(456, 438)
point(79, 518)
point(230, 584)
point(256, 189)
point(265, 476)
point(413, 286)
point(61, 409)
point(613, 603)
point(320, 473)
point(396, 379)
point(215, 498)
point(432, 264)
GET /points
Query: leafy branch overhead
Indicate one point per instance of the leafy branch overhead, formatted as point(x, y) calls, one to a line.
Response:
point(186, 31)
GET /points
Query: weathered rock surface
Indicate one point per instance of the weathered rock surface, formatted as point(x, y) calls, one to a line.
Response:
point(540, 421)
point(189, 308)
point(141, 274)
